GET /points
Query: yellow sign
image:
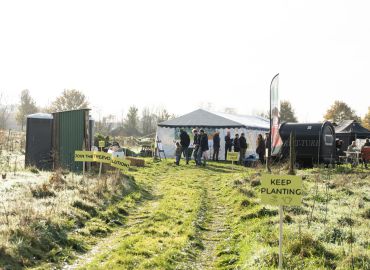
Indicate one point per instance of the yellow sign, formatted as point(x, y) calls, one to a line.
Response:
point(232, 156)
point(120, 163)
point(281, 189)
point(102, 157)
point(101, 144)
point(84, 156)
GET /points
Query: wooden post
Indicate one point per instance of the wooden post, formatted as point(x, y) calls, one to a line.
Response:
point(281, 238)
point(292, 154)
point(101, 164)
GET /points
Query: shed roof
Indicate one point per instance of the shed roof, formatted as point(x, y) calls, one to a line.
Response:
point(203, 118)
point(40, 116)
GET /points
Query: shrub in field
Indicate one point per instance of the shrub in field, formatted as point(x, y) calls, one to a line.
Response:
point(33, 170)
point(333, 235)
point(366, 214)
point(306, 247)
point(249, 193)
point(264, 258)
point(262, 212)
point(255, 182)
point(57, 179)
point(85, 207)
point(42, 191)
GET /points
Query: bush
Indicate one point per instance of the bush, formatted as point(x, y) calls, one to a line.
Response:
point(85, 207)
point(43, 191)
point(306, 247)
point(255, 182)
point(366, 214)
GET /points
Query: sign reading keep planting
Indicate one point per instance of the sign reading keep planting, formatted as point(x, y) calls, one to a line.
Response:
point(281, 190)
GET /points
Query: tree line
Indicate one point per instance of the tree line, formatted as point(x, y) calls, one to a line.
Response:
point(144, 123)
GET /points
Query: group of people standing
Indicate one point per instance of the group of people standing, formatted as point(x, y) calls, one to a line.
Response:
point(240, 145)
point(200, 144)
point(237, 144)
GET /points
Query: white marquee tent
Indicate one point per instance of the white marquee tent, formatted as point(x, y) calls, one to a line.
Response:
point(168, 132)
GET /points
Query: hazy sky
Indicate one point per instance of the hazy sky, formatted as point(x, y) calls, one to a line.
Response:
point(180, 54)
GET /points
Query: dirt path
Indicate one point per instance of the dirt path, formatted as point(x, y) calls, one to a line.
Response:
point(185, 210)
point(137, 216)
point(214, 229)
point(110, 243)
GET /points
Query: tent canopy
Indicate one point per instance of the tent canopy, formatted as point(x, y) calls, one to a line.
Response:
point(203, 118)
point(352, 127)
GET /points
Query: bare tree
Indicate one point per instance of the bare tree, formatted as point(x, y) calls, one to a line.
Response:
point(26, 107)
point(230, 110)
point(4, 112)
point(105, 126)
point(148, 121)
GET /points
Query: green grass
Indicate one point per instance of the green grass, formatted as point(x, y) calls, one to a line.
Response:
point(185, 217)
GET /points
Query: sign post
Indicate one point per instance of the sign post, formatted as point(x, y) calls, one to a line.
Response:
point(84, 156)
point(281, 190)
point(232, 156)
point(101, 145)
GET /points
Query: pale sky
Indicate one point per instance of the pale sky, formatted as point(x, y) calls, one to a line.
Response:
point(180, 54)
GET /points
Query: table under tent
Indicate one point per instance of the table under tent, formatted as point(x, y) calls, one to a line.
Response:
point(350, 130)
point(169, 131)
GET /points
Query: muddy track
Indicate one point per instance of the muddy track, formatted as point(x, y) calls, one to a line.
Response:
point(137, 216)
point(214, 229)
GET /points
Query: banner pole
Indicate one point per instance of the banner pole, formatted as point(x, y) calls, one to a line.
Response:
point(281, 238)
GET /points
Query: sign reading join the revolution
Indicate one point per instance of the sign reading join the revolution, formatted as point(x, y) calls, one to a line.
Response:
point(281, 190)
point(87, 156)
point(103, 157)
point(120, 163)
point(232, 156)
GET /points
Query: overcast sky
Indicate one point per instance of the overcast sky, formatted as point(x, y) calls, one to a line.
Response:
point(181, 54)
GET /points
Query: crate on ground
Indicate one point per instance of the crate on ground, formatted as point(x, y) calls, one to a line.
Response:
point(138, 162)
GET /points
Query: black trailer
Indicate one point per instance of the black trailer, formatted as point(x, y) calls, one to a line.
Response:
point(315, 142)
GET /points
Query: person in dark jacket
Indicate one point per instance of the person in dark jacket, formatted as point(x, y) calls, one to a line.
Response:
point(228, 143)
point(243, 148)
point(216, 145)
point(236, 143)
point(203, 147)
point(261, 148)
point(268, 143)
point(196, 145)
point(185, 142)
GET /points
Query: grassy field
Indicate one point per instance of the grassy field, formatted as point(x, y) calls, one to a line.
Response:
point(165, 216)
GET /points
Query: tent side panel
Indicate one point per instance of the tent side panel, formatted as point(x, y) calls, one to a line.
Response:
point(167, 136)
